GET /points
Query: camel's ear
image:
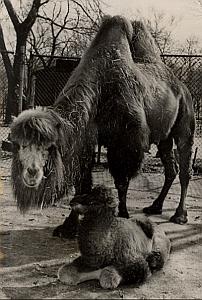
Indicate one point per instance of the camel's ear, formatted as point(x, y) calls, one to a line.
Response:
point(147, 226)
point(79, 208)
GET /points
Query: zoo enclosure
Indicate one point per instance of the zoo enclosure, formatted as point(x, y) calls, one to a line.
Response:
point(44, 84)
point(48, 82)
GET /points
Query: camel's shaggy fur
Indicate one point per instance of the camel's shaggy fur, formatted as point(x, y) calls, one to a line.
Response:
point(131, 105)
point(113, 249)
point(143, 46)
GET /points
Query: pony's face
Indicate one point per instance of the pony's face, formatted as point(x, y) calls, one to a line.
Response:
point(33, 159)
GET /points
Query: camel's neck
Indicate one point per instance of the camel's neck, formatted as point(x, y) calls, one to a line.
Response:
point(77, 102)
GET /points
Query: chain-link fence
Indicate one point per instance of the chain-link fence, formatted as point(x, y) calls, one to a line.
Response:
point(45, 83)
point(188, 68)
point(3, 91)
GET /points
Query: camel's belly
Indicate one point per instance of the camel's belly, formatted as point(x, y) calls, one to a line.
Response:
point(161, 116)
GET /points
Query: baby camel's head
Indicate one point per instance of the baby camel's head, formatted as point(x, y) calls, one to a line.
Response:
point(100, 197)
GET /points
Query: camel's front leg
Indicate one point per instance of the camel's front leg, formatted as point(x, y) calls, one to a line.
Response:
point(122, 187)
point(75, 273)
point(83, 185)
point(124, 163)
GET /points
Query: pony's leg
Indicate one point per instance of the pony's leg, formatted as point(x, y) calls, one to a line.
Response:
point(171, 170)
point(185, 151)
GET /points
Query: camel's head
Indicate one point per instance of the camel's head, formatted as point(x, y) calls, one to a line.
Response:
point(36, 140)
point(98, 198)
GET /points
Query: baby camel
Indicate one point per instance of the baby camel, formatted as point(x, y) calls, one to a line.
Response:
point(113, 250)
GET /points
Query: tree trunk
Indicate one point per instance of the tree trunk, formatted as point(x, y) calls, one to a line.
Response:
point(14, 73)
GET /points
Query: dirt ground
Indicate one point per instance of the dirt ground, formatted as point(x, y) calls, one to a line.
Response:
point(30, 256)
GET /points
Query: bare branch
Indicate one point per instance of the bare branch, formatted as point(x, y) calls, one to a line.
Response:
point(5, 56)
point(12, 14)
point(85, 11)
point(32, 15)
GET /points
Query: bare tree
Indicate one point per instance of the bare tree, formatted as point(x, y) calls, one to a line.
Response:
point(22, 29)
point(65, 28)
point(191, 46)
point(162, 28)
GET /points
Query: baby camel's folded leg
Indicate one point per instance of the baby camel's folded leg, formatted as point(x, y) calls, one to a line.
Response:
point(110, 278)
point(135, 271)
point(75, 273)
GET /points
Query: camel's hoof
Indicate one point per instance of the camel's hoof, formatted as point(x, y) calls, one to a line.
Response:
point(179, 218)
point(124, 215)
point(110, 278)
point(64, 232)
point(152, 210)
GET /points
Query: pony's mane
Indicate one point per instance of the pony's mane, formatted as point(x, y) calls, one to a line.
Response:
point(143, 46)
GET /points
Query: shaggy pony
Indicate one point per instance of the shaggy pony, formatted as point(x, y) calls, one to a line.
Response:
point(113, 250)
point(131, 105)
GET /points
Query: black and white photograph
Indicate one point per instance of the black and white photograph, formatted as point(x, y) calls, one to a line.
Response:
point(100, 149)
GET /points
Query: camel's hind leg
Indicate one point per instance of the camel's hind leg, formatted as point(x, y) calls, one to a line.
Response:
point(171, 169)
point(184, 147)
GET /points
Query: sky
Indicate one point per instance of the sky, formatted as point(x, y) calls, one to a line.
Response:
point(188, 13)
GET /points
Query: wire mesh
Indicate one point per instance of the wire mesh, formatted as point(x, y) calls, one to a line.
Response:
point(46, 83)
